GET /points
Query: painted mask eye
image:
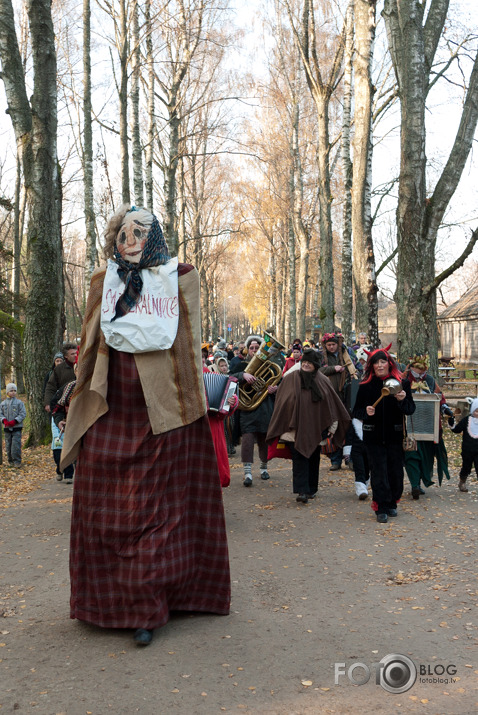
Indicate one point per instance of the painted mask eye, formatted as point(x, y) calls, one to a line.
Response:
point(122, 237)
point(137, 232)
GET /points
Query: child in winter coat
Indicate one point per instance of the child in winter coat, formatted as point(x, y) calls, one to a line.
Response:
point(469, 446)
point(12, 414)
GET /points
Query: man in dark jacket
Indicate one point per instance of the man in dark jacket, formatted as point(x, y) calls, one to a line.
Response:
point(253, 424)
point(238, 357)
point(339, 368)
point(62, 374)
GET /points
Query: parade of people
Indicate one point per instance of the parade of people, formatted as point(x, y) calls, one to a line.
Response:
point(238, 357)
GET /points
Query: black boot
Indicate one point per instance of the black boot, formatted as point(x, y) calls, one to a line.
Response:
point(142, 636)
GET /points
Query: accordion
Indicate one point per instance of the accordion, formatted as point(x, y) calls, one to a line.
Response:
point(219, 388)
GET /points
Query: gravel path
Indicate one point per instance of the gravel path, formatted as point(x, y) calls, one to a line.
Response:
point(313, 585)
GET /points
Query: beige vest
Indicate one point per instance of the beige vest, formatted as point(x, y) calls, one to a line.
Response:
point(172, 379)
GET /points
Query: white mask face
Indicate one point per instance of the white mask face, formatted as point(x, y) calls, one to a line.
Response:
point(131, 239)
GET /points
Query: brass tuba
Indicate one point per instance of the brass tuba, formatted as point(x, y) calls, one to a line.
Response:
point(267, 373)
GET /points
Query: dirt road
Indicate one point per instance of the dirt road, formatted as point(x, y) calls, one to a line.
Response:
point(316, 589)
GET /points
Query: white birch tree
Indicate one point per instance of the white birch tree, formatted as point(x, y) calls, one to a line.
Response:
point(365, 284)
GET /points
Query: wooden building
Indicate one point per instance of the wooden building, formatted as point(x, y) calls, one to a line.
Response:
point(458, 328)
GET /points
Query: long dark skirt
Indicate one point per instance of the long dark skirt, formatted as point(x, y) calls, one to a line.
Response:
point(148, 533)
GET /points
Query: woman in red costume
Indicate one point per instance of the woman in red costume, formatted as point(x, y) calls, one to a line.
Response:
point(216, 422)
point(383, 430)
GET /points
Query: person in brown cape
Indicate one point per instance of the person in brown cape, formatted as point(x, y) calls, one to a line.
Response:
point(307, 411)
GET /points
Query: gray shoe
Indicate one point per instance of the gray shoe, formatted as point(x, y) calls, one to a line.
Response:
point(265, 475)
point(59, 477)
point(68, 480)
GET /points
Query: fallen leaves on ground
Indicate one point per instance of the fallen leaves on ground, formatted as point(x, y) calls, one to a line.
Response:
point(37, 467)
point(426, 573)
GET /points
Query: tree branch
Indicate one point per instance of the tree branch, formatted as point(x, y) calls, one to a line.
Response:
point(433, 28)
point(454, 266)
point(386, 262)
point(451, 174)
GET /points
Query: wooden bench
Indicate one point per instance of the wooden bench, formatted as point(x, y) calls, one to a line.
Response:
point(446, 373)
point(461, 388)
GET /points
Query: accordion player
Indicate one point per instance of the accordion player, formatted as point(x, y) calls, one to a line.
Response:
point(219, 388)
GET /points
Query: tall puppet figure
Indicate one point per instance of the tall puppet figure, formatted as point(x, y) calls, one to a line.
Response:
point(148, 533)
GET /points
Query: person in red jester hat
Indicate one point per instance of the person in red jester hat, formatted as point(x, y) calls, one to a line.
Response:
point(383, 430)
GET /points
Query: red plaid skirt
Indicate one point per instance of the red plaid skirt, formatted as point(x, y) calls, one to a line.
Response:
point(148, 533)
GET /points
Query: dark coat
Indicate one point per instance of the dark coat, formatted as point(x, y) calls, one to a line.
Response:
point(295, 410)
point(257, 420)
point(337, 379)
point(60, 376)
point(469, 445)
point(386, 425)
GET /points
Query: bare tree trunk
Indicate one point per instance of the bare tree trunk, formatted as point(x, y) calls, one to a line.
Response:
point(189, 31)
point(326, 263)
point(182, 235)
point(91, 254)
point(35, 127)
point(205, 305)
point(273, 286)
point(285, 315)
point(151, 108)
point(413, 44)
point(300, 231)
point(303, 283)
point(290, 326)
point(366, 305)
point(321, 91)
point(123, 101)
point(16, 273)
point(137, 153)
point(347, 289)
point(170, 188)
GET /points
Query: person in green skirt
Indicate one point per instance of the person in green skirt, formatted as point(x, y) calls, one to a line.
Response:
point(419, 463)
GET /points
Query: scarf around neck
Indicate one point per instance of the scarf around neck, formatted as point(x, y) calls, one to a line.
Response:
point(155, 254)
point(308, 382)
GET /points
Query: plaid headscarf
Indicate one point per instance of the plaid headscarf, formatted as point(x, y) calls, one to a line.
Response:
point(155, 253)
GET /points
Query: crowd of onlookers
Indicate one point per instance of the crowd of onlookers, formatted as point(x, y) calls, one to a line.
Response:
point(58, 387)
